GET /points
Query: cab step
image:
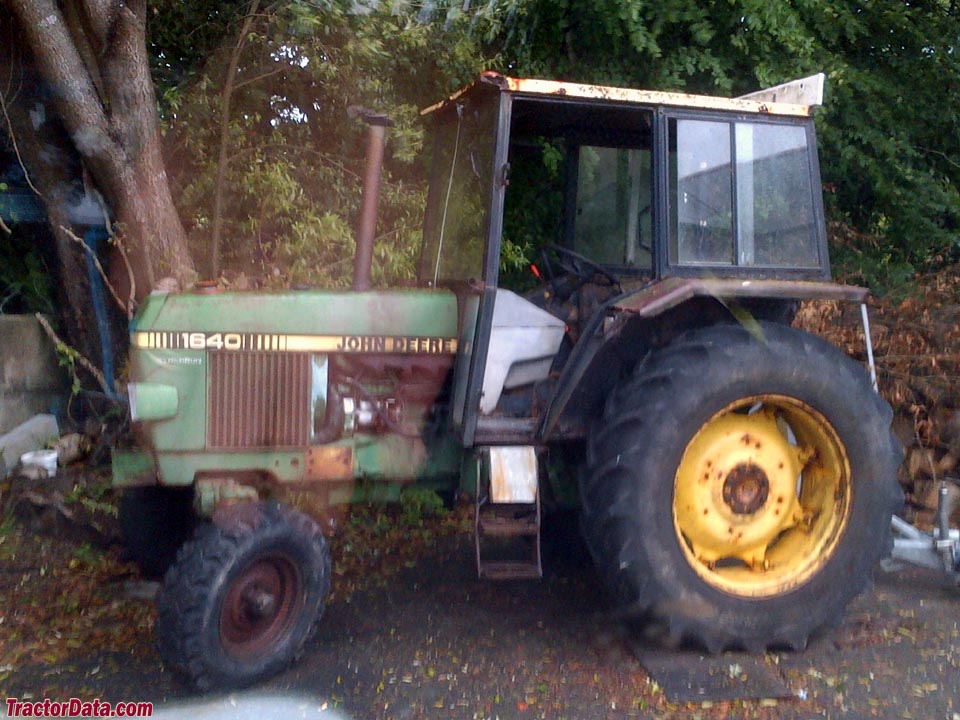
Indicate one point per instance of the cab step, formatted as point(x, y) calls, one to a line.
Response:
point(507, 514)
point(505, 570)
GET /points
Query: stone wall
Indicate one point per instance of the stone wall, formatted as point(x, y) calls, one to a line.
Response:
point(31, 382)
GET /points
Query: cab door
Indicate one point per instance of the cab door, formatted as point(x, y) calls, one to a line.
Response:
point(462, 231)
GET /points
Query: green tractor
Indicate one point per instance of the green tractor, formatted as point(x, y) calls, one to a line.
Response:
point(736, 477)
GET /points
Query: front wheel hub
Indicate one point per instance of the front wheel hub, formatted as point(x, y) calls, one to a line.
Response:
point(260, 606)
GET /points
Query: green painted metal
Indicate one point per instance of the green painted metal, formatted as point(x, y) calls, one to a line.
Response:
point(470, 472)
point(181, 468)
point(386, 457)
point(132, 468)
point(375, 492)
point(152, 401)
point(147, 314)
point(376, 457)
point(307, 312)
point(186, 371)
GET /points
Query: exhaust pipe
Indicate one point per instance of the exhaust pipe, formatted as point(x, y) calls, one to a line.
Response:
point(377, 124)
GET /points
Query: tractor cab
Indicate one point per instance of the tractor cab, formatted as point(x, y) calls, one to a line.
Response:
point(562, 215)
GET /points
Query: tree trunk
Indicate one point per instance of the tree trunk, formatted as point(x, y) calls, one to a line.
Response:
point(92, 56)
point(54, 172)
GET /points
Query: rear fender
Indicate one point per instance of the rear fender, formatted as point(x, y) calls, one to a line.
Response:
point(629, 326)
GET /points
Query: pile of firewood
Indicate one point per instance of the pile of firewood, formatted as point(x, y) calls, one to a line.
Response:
point(916, 346)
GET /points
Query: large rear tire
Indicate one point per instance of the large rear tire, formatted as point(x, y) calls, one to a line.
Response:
point(740, 489)
point(243, 597)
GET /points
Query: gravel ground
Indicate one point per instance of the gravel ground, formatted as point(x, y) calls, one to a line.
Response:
point(434, 642)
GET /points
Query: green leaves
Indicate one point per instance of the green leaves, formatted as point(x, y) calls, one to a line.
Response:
point(888, 130)
point(293, 182)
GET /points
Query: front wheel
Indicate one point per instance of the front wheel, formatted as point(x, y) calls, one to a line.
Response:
point(740, 488)
point(244, 596)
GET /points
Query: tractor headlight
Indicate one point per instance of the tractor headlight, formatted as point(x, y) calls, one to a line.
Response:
point(152, 401)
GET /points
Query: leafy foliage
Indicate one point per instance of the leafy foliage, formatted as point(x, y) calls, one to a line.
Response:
point(417, 504)
point(296, 159)
point(25, 282)
point(888, 129)
point(181, 35)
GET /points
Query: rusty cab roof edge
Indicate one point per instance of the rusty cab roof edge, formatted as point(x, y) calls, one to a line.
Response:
point(552, 88)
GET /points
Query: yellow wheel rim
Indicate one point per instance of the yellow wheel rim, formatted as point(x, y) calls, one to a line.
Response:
point(762, 496)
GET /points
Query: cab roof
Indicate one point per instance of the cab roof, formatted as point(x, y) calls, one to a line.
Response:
point(796, 99)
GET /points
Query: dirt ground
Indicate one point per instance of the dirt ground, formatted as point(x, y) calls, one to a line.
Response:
point(411, 633)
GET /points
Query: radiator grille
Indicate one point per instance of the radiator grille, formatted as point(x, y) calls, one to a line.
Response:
point(258, 399)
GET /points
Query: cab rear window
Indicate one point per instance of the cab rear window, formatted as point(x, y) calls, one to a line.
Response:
point(741, 194)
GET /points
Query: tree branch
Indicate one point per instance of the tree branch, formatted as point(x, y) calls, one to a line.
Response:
point(87, 365)
point(75, 94)
point(82, 34)
point(943, 155)
point(127, 77)
point(14, 58)
point(129, 306)
point(16, 148)
point(100, 16)
point(224, 137)
point(259, 77)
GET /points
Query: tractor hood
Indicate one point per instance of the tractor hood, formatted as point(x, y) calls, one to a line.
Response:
point(310, 320)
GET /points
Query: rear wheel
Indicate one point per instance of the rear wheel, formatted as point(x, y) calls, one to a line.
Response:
point(244, 596)
point(740, 489)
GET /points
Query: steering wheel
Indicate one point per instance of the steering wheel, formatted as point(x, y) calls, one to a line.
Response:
point(573, 263)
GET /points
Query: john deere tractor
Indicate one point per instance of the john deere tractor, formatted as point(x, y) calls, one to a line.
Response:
point(736, 476)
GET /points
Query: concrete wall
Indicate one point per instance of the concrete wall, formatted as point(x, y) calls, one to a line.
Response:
point(31, 382)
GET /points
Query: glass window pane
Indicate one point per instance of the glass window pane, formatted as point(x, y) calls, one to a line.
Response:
point(455, 231)
point(775, 208)
point(702, 193)
point(614, 201)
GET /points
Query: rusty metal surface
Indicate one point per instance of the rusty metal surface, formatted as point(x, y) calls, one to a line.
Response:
point(531, 86)
point(330, 462)
point(513, 474)
point(689, 676)
point(651, 97)
point(746, 488)
point(261, 607)
point(499, 430)
point(369, 202)
point(258, 399)
point(668, 293)
point(227, 500)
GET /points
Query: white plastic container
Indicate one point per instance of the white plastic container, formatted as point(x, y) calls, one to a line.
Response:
point(36, 460)
point(523, 341)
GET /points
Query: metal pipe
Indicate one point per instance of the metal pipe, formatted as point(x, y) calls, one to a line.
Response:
point(363, 258)
point(869, 342)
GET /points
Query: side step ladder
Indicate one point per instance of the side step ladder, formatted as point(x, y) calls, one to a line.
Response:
point(507, 517)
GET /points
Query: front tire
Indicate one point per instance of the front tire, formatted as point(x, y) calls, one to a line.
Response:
point(244, 596)
point(740, 489)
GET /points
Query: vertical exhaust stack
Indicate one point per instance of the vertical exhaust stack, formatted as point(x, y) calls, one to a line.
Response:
point(376, 136)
